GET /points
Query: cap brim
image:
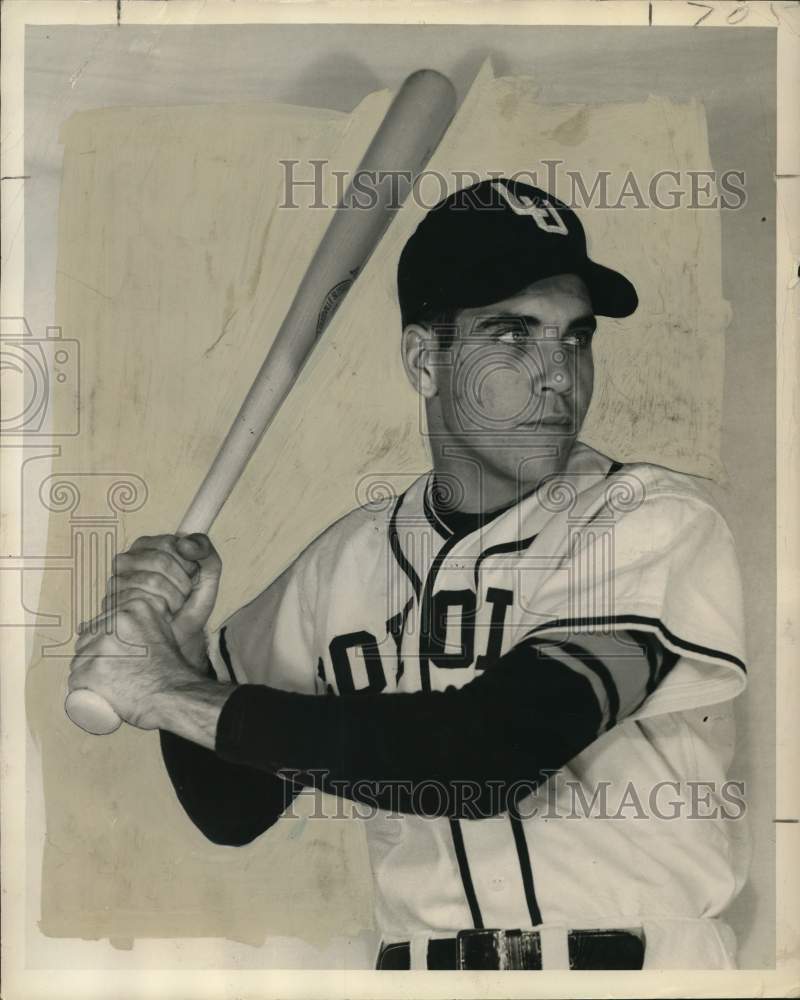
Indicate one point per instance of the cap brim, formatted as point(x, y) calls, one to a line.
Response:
point(611, 292)
point(494, 279)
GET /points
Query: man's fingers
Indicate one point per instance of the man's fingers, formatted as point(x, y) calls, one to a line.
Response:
point(151, 582)
point(104, 624)
point(189, 562)
point(199, 548)
point(119, 597)
point(93, 625)
point(79, 676)
point(157, 561)
point(206, 583)
point(89, 632)
point(167, 544)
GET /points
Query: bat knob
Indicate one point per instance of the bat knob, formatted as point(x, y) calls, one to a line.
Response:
point(91, 712)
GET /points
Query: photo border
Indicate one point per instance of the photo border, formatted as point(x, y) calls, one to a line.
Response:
point(20, 982)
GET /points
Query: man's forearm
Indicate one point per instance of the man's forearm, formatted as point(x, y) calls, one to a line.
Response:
point(538, 707)
point(192, 710)
point(519, 721)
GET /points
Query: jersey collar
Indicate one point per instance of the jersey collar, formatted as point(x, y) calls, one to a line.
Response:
point(417, 532)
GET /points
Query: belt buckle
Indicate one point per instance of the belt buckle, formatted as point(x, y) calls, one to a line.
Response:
point(481, 950)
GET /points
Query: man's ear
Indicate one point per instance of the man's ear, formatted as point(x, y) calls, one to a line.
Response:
point(418, 348)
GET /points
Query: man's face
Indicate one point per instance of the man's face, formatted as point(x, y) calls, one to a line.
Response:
point(518, 380)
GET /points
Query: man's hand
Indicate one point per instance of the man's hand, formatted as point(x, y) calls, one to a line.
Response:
point(178, 576)
point(136, 667)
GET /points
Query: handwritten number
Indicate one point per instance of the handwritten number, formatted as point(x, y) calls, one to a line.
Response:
point(709, 10)
point(743, 11)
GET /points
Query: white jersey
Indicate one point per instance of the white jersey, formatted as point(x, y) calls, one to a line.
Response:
point(639, 830)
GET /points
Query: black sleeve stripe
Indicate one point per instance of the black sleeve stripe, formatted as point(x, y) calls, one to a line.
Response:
point(633, 661)
point(653, 661)
point(594, 664)
point(226, 656)
point(683, 646)
point(660, 660)
point(668, 661)
point(625, 654)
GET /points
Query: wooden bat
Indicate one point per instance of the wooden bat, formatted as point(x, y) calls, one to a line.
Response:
point(415, 122)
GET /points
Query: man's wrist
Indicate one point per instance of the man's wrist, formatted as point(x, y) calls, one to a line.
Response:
point(191, 709)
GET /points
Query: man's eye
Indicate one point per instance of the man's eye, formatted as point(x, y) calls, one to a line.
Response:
point(513, 335)
point(579, 338)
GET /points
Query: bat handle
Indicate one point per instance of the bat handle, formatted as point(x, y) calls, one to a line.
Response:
point(91, 712)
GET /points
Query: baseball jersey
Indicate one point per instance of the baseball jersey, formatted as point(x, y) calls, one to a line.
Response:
point(640, 828)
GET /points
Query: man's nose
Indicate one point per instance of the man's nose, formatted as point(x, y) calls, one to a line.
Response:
point(555, 374)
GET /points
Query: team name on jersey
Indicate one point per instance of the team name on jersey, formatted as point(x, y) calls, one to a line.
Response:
point(450, 639)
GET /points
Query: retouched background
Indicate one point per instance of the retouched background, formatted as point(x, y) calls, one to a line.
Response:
point(731, 75)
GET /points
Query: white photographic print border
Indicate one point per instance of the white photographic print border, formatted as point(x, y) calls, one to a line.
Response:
point(90, 969)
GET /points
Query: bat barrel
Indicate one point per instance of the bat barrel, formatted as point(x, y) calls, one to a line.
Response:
point(405, 140)
point(409, 133)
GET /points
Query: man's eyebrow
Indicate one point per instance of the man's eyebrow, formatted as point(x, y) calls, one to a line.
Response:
point(500, 318)
point(588, 319)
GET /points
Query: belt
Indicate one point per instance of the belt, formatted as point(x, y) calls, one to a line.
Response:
point(518, 949)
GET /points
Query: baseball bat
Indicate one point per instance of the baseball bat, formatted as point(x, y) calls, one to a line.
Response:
point(409, 133)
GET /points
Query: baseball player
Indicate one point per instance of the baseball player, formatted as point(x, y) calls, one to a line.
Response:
point(507, 667)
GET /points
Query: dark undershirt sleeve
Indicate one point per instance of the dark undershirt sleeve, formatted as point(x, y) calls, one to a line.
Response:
point(466, 752)
point(230, 803)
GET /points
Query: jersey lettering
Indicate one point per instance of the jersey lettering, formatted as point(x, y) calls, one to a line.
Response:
point(395, 627)
point(343, 669)
point(501, 600)
point(450, 646)
point(442, 620)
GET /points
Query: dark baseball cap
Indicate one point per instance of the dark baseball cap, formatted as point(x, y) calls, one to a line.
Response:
point(487, 242)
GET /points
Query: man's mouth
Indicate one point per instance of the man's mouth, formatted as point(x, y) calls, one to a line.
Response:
point(532, 425)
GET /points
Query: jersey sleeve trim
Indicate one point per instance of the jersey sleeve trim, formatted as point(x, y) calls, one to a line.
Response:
point(674, 642)
point(701, 675)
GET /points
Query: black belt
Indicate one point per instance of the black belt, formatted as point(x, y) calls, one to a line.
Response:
point(492, 949)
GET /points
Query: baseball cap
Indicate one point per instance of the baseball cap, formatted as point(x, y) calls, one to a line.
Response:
point(486, 242)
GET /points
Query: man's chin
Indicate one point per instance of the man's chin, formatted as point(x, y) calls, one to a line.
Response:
point(529, 463)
